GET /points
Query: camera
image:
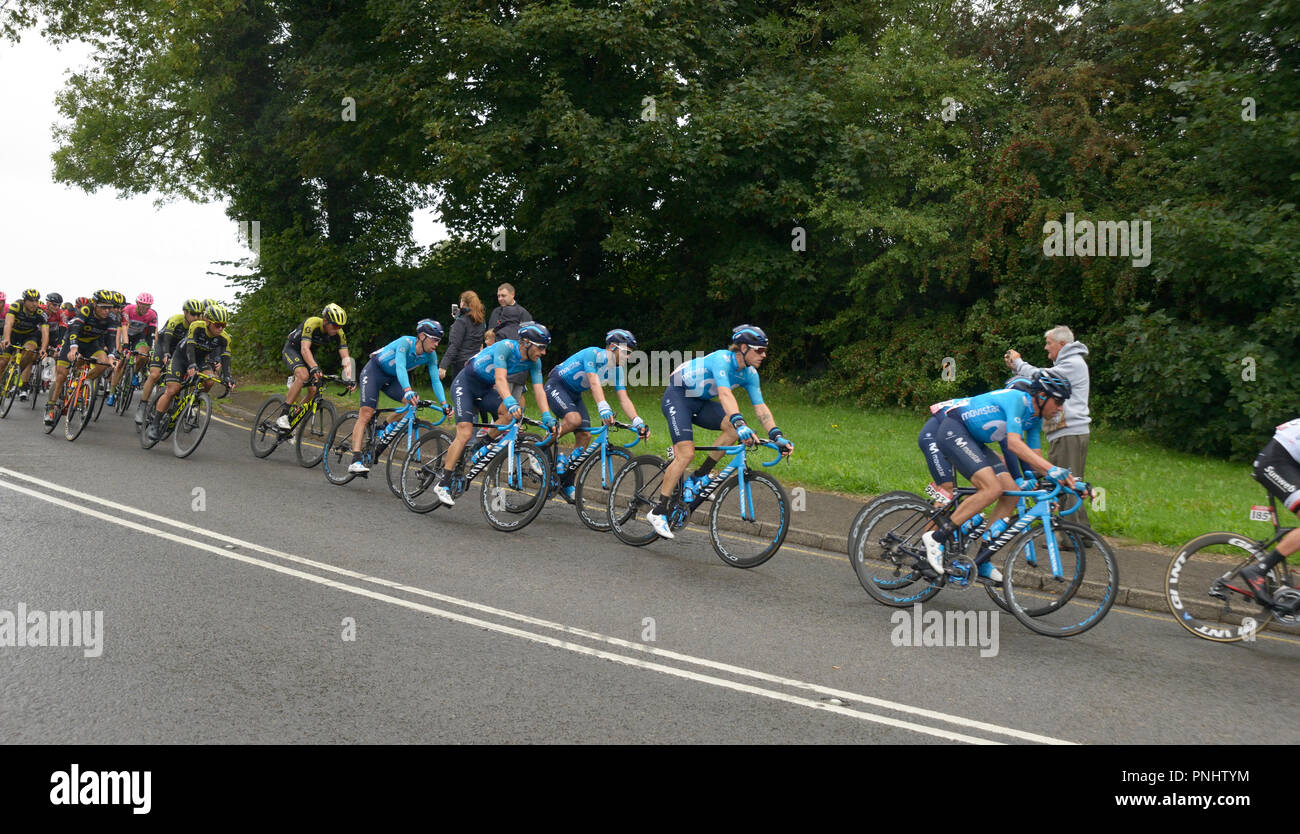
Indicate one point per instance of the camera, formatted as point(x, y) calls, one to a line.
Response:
point(455, 311)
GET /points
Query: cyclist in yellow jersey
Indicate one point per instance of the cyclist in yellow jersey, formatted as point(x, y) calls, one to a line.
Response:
point(86, 334)
point(169, 336)
point(205, 343)
point(325, 330)
point(25, 325)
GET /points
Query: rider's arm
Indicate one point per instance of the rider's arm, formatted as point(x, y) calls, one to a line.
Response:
point(1018, 447)
point(349, 367)
point(502, 386)
point(9, 326)
point(765, 417)
point(45, 337)
point(598, 392)
point(304, 347)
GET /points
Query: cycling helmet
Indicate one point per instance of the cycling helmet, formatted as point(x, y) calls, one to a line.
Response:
point(194, 307)
point(144, 298)
point(1051, 384)
point(103, 297)
point(620, 336)
point(1019, 383)
point(54, 298)
point(2, 298)
point(69, 306)
point(429, 327)
point(531, 331)
point(82, 301)
point(334, 314)
point(748, 334)
point(31, 295)
point(216, 314)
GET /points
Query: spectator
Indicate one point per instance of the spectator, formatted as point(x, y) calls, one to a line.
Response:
point(1067, 435)
point(508, 316)
point(465, 337)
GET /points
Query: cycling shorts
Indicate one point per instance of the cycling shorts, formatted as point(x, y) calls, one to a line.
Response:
point(683, 411)
point(373, 380)
point(470, 394)
point(563, 401)
point(966, 453)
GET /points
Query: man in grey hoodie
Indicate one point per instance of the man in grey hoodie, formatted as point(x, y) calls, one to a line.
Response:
point(1067, 434)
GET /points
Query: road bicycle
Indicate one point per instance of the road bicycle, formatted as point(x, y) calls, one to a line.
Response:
point(80, 395)
point(400, 439)
point(126, 387)
point(515, 475)
point(1207, 596)
point(746, 540)
point(310, 424)
point(11, 384)
point(1045, 594)
point(187, 416)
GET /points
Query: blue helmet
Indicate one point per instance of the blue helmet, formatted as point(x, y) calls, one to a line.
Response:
point(620, 336)
point(430, 328)
point(533, 332)
point(1054, 385)
point(748, 334)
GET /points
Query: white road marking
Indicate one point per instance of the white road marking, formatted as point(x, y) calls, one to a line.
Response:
point(528, 635)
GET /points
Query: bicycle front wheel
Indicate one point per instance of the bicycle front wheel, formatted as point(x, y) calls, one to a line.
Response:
point(399, 450)
point(265, 436)
point(634, 493)
point(1073, 602)
point(9, 391)
point(313, 431)
point(889, 549)
point(755, 532)
point(337, 456)
point(592, 485)
point(421, 472)
point(101, 397)
point(191, 425)
point(82, 411)
point(513, 493)
point(1206, 594)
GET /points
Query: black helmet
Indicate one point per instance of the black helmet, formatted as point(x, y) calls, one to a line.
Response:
point(748, 334)
point(1051, 384)
point(54, 298)
point(1019, 383)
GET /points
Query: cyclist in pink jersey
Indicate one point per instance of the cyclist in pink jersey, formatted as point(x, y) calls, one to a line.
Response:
point(139, 324)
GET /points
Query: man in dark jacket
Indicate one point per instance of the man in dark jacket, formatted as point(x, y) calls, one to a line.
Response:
point(506, 318)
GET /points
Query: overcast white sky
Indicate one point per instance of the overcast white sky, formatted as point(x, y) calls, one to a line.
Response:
point(58, 238)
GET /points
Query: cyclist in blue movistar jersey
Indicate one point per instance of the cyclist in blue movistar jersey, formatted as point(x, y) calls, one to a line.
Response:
point(1011, 415)
point(590, 369)
point(482, 384)
point(941, 470)
point(690, 398)
point(387, 371)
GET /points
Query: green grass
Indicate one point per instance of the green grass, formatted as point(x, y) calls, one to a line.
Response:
point(1152, 494)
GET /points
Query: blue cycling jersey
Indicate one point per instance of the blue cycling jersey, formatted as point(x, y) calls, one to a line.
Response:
point(505, 354)
point(593, 360)
point(703, 376)
point(991, 417)
point(399, 356)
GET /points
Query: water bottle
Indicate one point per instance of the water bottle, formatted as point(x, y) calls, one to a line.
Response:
point(972, 523)
point(562, 462)
point(996, 529)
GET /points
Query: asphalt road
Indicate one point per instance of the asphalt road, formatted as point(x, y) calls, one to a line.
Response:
point(227, 621)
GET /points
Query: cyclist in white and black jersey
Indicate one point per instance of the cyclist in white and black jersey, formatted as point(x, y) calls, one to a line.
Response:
point(1278, 469)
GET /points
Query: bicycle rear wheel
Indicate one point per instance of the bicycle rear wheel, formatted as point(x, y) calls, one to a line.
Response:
point(513, 493)
point(634, 493)
point(101, 397)
point(1075, 602)
point(1211, 564)
point(312, 432)
point(755, 533)
point(397, 452)
point(855, 529)
point(421, 472)
point(337, 456)
point(9, 389)
point(398, 455)
point(592, 485)
point(889, 550)
point(192, 425)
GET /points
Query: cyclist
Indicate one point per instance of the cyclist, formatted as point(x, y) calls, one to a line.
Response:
point(205, 344)
point(587, 370)
point(388, 370)
point(139, 324)
point(86, 334)
point(1277, 469)
point(941, 471)
point(689, 398)
point(25, 325)
point(1012, 415)
point(160, 356)
point(300, 349)
point(482, 384)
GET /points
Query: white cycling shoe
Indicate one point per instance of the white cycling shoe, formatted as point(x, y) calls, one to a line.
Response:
point(282, 422)
point(989, 572)
point(444, 495)
point(358, 468)
point(660, 523)
point(933, 551)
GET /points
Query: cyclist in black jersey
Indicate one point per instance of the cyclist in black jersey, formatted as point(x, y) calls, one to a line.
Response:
point(160, 356)
point(316, 332)
point(26, 326)
point(1278, 468)
point(86, 334)
point(205, 343)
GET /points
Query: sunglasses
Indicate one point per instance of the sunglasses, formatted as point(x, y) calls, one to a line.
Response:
point(761, 351)
point(220, 325)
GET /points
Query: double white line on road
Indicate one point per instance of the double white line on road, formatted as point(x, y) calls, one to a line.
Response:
point(824, 692)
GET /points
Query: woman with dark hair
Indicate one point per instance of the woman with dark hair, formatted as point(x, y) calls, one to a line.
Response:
point(466, 336)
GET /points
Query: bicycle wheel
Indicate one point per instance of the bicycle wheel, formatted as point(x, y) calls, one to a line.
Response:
point(889, 548)
point(855, 529)
point(1072, 604)
point(9, 389)
point(592, 485)
point(513, 493)
point(761, 519)
point(1206, 594)
point(191, 425)
point(124, 392)
point(421, 472)
point(338, 448)
point(101, 397)
point(398, 451)
point(421, 450)
point(634, 493)
point(265, 436)
point(82, 411)
point(313, 431)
